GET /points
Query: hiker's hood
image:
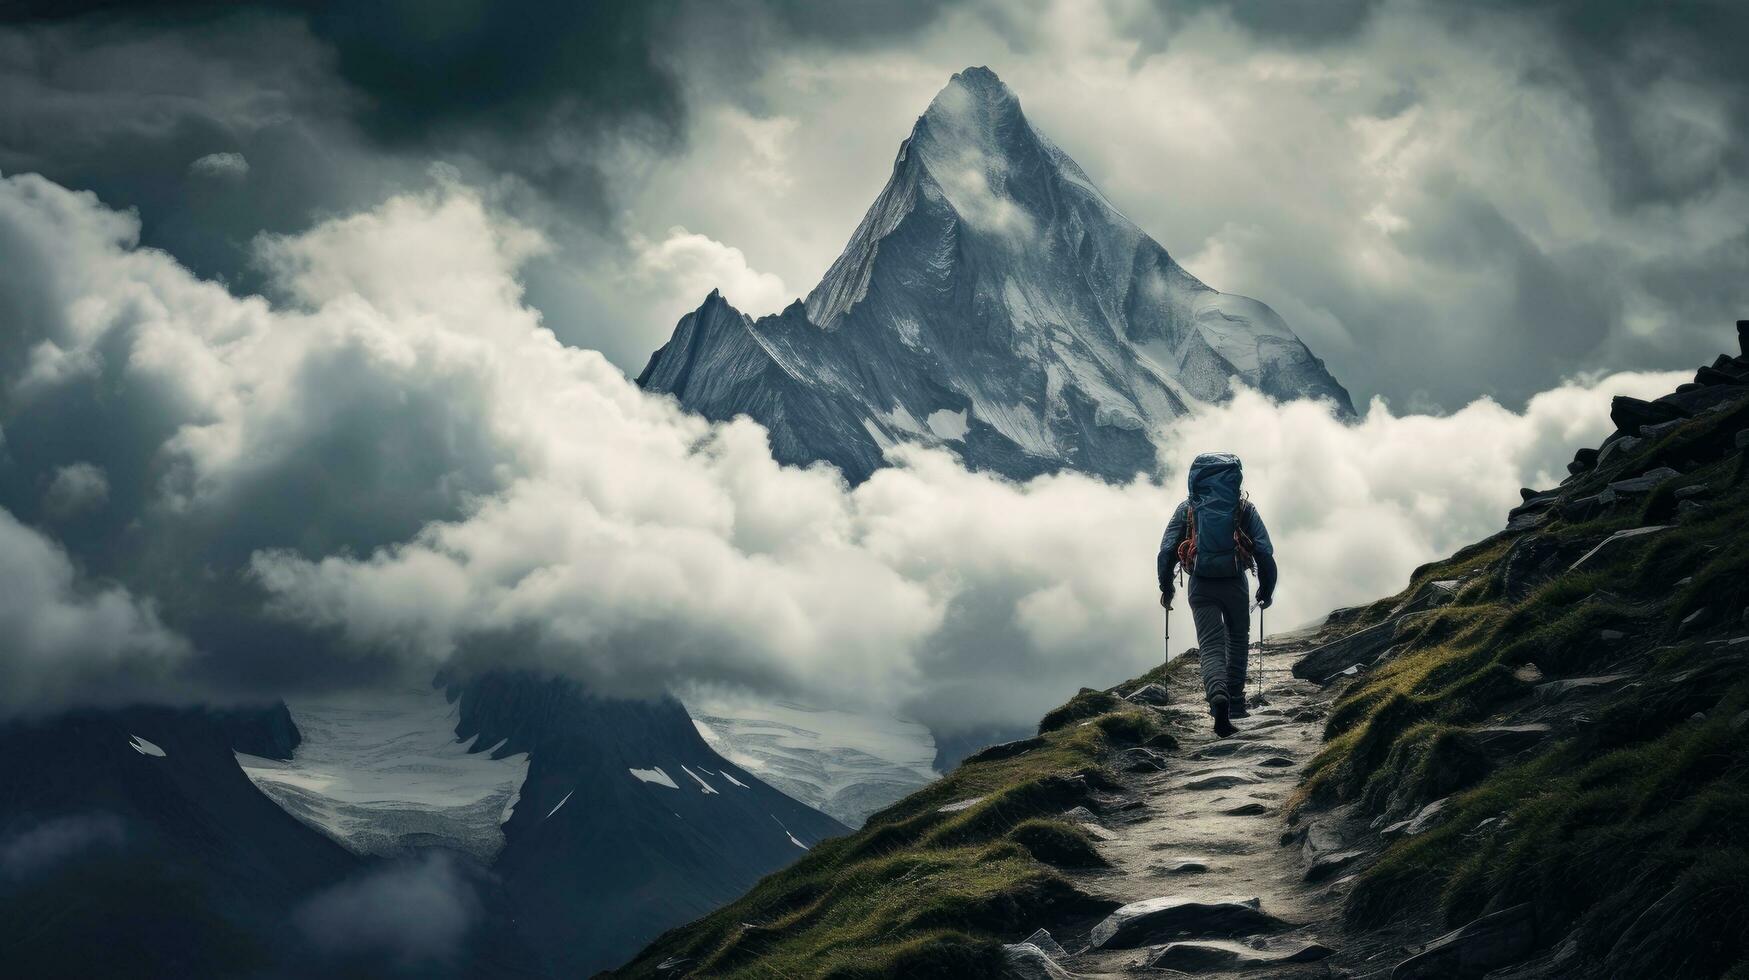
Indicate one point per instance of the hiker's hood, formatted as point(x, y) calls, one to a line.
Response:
point(1208, 465)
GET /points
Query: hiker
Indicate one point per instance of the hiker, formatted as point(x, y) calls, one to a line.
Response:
point(1216, 535)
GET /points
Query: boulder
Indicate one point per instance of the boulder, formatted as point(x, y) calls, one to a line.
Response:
point(1490, 942)
point(1043, 940)
point(1005, 750)
point(1025, 961)
point(1217, 956)
point(1692, 491)
point(1553, 691)
point(1619, 445)
point(1142, 760)
point(1694, 621)
point(1325, 866)
point(1630, 413)
point(1357, 647)
point(1712, 377)
point(1504, 740)
point(1152, 694)
point(1645, 482)
point(1700, 399)
point(1222, 779)
point(1616, 542)
point(1426, 818)
point(1171, 917)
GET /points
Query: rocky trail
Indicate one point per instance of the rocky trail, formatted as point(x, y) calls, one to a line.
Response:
point(1214, 880)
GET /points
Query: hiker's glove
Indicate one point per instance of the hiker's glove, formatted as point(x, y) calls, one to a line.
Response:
point(1166, 599)
point(1263, 601)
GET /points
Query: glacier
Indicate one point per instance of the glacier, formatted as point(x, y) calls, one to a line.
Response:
point(992, 302)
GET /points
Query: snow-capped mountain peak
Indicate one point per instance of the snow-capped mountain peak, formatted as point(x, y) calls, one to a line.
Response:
point(993, 289)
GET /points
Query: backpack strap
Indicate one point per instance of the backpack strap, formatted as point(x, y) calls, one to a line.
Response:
point(1244, 548)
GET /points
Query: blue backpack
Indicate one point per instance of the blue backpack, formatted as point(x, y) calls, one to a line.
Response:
point(1215, 544)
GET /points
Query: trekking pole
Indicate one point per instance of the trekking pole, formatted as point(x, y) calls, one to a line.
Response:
point(1166, 635)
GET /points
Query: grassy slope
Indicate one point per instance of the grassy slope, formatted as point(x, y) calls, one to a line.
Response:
point(1637, 801)
point(921, 893)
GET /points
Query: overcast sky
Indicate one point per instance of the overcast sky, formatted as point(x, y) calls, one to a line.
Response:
point(1443, 199)
point(314, 324)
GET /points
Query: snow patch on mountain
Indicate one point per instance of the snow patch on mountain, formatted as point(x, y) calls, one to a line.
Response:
point(655, 775)
point(846, 764)
point(144, 747)
point(384, 773)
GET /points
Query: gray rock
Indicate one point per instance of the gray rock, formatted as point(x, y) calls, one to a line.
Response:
point(1212, 955)
point(1694, 621)
point(1084, 818)
point(1171, 917)
point(1352, 670)
point(1148, 694)
point(1629, 413)
point(1501, 740)
point(1183, 866)
point(1360, 646)
point(1610, 636)
point(1553, 691)
point(1442, 591)
point(1277, 762)
point(1645, 482)
point(1488, 943)
point(1622, 446)
point(1427, 817)
point(1043, 940)
point(1248, 809)
point(1142, 760)
point(1693, 490)
point(1654, 431)
point(1222, 779)
point(1618, 541)
point(1025, 961)
point(1325, 866)
point(1702, 399)
point(1005, 750)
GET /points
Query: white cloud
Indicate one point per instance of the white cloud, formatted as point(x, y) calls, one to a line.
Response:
point(221, 166)
point(686, 266)
point(558, 514)
point(75, 489)
point(72, 640)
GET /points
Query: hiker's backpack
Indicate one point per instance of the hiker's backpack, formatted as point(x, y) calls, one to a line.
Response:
point(1215, 544)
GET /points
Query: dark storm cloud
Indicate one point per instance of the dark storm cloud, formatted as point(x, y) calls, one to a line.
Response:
point(31, 851)
point(414, 913)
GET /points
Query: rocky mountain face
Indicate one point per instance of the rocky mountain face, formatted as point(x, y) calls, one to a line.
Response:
point(1529, 763)
point(993, 302)
point(566, 831)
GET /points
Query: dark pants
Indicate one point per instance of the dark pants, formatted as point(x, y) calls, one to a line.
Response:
point(1221, 609)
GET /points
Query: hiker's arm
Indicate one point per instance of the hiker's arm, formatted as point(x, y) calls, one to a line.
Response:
point(1264, 551)
point(1168, 557)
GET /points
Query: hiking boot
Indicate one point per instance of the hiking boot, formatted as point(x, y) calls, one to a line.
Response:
point(1238, 709)
point(1219, 708)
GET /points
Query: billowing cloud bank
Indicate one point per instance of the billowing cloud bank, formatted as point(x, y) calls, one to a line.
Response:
point(394, 464)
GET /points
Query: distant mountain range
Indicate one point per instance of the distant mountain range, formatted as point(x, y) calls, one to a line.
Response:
point(993, 302)
point(134, 844)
